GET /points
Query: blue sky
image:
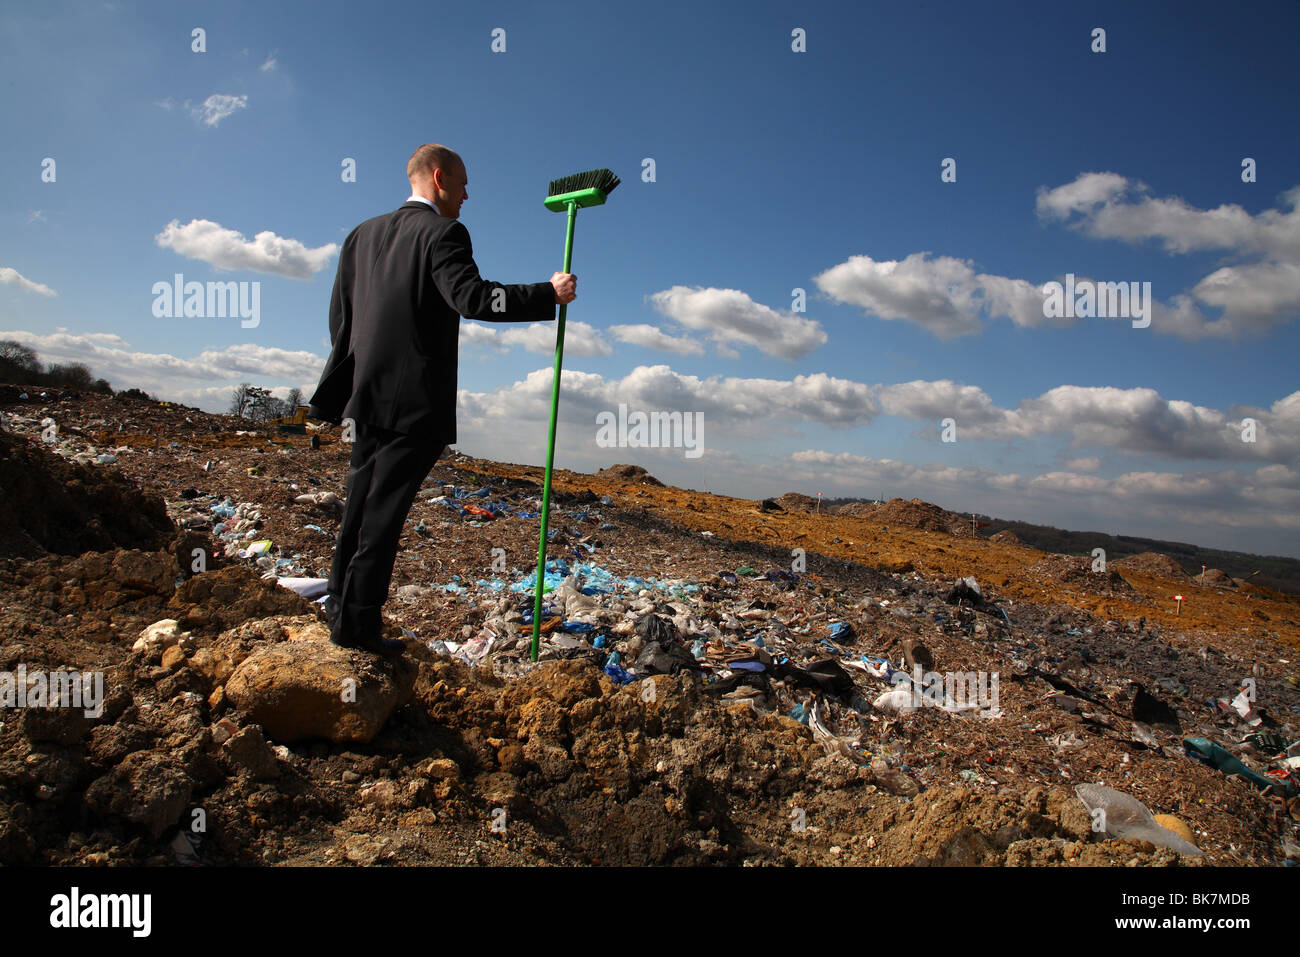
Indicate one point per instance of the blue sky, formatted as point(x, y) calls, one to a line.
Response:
point(772, 170)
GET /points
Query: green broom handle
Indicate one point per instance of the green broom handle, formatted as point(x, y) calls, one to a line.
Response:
point(550, 442)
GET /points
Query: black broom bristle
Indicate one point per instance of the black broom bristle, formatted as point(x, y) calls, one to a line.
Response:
point(601, 179)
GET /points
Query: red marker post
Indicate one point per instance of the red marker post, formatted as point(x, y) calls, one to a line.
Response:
point(1179, 599)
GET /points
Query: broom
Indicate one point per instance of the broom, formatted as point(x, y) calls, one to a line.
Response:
point(568, 194)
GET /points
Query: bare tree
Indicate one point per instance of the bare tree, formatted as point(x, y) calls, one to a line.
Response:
point(240, 399)
point(293, 401)
point(74, 374)
point(18, 363)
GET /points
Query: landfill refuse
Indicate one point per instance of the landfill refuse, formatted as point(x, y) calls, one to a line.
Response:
point(757, 656)
point(1149, 709)
point(307, 587)
point(1125, 818)
point(825, 674)
point(1207, 752)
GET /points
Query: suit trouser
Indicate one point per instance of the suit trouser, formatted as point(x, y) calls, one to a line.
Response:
point(384, 476)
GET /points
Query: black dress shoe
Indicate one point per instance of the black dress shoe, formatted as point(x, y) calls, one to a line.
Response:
point(375, 644)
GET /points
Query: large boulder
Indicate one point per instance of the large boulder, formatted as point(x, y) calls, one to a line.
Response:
point(307, 688)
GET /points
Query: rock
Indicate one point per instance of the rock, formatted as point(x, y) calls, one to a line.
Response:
point(147, 788)
point(172, 657)
point(247, 749)
point(310, 688)
point(440, 768)
point(223, 731)
point(65, 726)
point(157, 638)
point(360, 849)
point(381, 793)
point(231, 596)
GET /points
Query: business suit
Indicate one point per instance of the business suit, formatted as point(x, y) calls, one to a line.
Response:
point(404, 280)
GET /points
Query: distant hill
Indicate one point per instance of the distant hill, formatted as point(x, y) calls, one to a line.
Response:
point(1275, 571)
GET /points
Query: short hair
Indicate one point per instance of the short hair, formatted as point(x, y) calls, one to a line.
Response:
point(431, 156)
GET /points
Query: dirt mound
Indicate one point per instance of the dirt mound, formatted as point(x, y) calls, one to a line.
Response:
point(924, 515)
point(1072, 570)
point(224, 598)
point(48, 504)
point(629, 473)
point(1006, 537)
point(797, 502)
point(54, 606)
point(1219, 578)
point(1153, 563)
point(857, 509)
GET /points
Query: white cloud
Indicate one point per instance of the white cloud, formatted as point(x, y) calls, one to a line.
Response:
point(1254, 296)
point(1137, 421)
point(270, 64)
point(172, 377)
point(1141, 421)
point(580, 338)
point(37, 216)
point(652, 337)
point(1110, 206)
point(224, 248)
point(733, 405)
point(949, 298)
point(931, 401)
point(943, 294)
point(217, 107)
point(11, 277)
point(1089, 463)
point(731, 318)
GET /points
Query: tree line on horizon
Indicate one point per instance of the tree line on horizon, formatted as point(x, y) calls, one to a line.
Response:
point(20, 365)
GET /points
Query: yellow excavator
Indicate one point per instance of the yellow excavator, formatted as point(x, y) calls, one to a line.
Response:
point(295, 424)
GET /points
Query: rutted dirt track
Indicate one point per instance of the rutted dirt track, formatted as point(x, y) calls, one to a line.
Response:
point(507, 763)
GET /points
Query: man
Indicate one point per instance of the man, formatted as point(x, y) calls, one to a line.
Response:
point(404, 280)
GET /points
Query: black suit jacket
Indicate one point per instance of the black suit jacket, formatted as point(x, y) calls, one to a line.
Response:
point(404, 280)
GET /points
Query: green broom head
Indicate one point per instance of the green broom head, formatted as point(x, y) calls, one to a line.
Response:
point(582, 189)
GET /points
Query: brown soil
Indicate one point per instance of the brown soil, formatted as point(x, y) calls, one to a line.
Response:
point(629, 473)
point(48, 504)
point(1153, 563)
point(915, 513)
point(580, 770)
point(1068, 569)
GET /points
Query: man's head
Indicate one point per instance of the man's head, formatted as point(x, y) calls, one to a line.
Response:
point(438, 174)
